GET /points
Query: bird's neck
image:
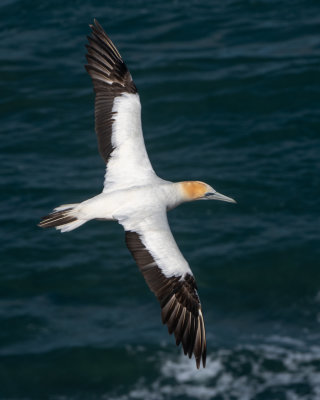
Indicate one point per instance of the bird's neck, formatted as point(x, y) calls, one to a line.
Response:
point(182, 192)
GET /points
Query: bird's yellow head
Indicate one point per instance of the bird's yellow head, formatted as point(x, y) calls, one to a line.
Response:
point(195, 190)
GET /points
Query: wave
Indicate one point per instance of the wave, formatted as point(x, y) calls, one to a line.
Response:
point(282, 367)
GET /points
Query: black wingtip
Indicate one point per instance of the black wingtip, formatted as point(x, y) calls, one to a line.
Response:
point(97, 24)
point(204, 359)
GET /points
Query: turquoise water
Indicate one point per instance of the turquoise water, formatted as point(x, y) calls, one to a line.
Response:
point(230, 94)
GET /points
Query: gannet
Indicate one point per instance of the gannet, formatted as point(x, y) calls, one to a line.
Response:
point(137, 198)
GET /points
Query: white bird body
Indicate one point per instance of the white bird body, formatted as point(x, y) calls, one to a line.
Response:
point(133, 201)
point(137, 198)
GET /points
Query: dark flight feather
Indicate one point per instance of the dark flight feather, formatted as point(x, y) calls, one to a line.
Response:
point(179, 301)
point(111, 78)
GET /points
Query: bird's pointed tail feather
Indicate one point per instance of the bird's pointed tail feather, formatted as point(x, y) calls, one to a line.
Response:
point(63, 218)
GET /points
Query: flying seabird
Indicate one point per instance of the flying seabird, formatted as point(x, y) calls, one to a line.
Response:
point(137, 198)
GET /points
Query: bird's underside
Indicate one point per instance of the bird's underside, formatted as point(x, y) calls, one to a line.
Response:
point(135, 197)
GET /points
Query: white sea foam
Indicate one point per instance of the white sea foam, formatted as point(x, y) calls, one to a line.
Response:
point(280, 368)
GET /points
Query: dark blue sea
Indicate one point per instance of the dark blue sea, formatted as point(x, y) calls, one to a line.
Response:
point(230, 94)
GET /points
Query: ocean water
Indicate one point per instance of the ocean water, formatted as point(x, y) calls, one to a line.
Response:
point(230, 93)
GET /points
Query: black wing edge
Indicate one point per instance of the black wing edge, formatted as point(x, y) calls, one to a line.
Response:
point(111, 78)
point(179, 301)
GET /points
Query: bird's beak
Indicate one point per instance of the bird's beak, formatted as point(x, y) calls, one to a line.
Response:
point(219, 196)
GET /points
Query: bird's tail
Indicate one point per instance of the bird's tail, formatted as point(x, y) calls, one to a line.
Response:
point(63, 218)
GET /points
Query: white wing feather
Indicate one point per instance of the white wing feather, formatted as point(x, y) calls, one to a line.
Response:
point(129, 164)
point(155, 234)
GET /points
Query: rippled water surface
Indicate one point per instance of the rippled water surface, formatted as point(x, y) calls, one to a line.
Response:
point(230, 93)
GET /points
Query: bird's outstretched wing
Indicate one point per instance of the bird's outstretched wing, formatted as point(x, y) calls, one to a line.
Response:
point(169, 276)
point(117, 114)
